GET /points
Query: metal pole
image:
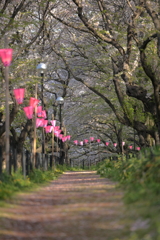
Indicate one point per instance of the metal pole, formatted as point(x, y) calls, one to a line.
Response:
point(57, 150)
point(53, 158)
point(60, 119)
point(43, 134)
point(34, 138)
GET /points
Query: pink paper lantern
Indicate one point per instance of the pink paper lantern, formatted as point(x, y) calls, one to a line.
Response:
point(19, 95)
point(56, 133)
point(107, 143)
point(28, 111)
point(45, 122)
point(68, 137)
point(138, 148)
point(60, 136)
point(91, 139)
point(42, 123)
point(86, 141)
point(98, 140)
point(48, 129)
point(130, 147)
point(123, 143)
point(39, 111)
point(6, 56)
point(44, 115)
point(63, 139)
point(115, 144)
point(81, 143)
point(33, 102)
point(56, 128)
point(53, 122)
point(39, 122)
point(75, 142)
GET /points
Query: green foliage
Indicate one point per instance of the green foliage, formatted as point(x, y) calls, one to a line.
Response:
point(10, 184)
point(140, 179)
point(139, 176)
point(38, 176)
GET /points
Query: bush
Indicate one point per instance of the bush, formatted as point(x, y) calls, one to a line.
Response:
point(139, 175)
point(10, 184)
point(140, 179)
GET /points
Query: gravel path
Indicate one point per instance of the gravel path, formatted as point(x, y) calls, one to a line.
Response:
point(76, 206)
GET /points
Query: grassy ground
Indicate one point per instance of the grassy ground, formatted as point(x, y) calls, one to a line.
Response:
point(140, 180)
point(11, 184)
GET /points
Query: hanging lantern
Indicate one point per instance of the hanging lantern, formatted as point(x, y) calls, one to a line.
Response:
point(28, 111)
point(53, 122)
point(91, 139)
point(39, 122)
point(130, 147)
point(138, 148)
point(45, 122)
point(33, 102)
point(60, 136)
point(19, 95)
point(44, 115)
point(42, 123)
point(39, 111)
point(69, 137)
point(6, 56)
point(63, 139)
point(85, 141)
point(123, 143)
point(48, 129)
point(107, 143)
point(115, 144)
point(75, 142)
point(98, 140)
point(81, 143)
point(56, 133)
point(56, 128)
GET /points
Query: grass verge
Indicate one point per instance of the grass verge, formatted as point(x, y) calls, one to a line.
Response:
point(140, 179)
point(11, 184)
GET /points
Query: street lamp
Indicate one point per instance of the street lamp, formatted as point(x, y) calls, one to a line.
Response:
point(60, 102)
point(41, 67)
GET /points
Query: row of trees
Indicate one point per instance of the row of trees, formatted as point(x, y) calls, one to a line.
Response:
point(102, 56)
point(114, 51)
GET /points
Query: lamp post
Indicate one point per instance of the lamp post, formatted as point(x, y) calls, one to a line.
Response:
point(41, 67)
point(60, 102)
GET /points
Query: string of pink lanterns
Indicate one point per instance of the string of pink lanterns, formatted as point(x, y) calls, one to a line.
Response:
point(41, 122)
point(48, 125)
point(91, 139)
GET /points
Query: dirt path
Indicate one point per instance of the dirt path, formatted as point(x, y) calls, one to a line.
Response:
point(77, 206)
